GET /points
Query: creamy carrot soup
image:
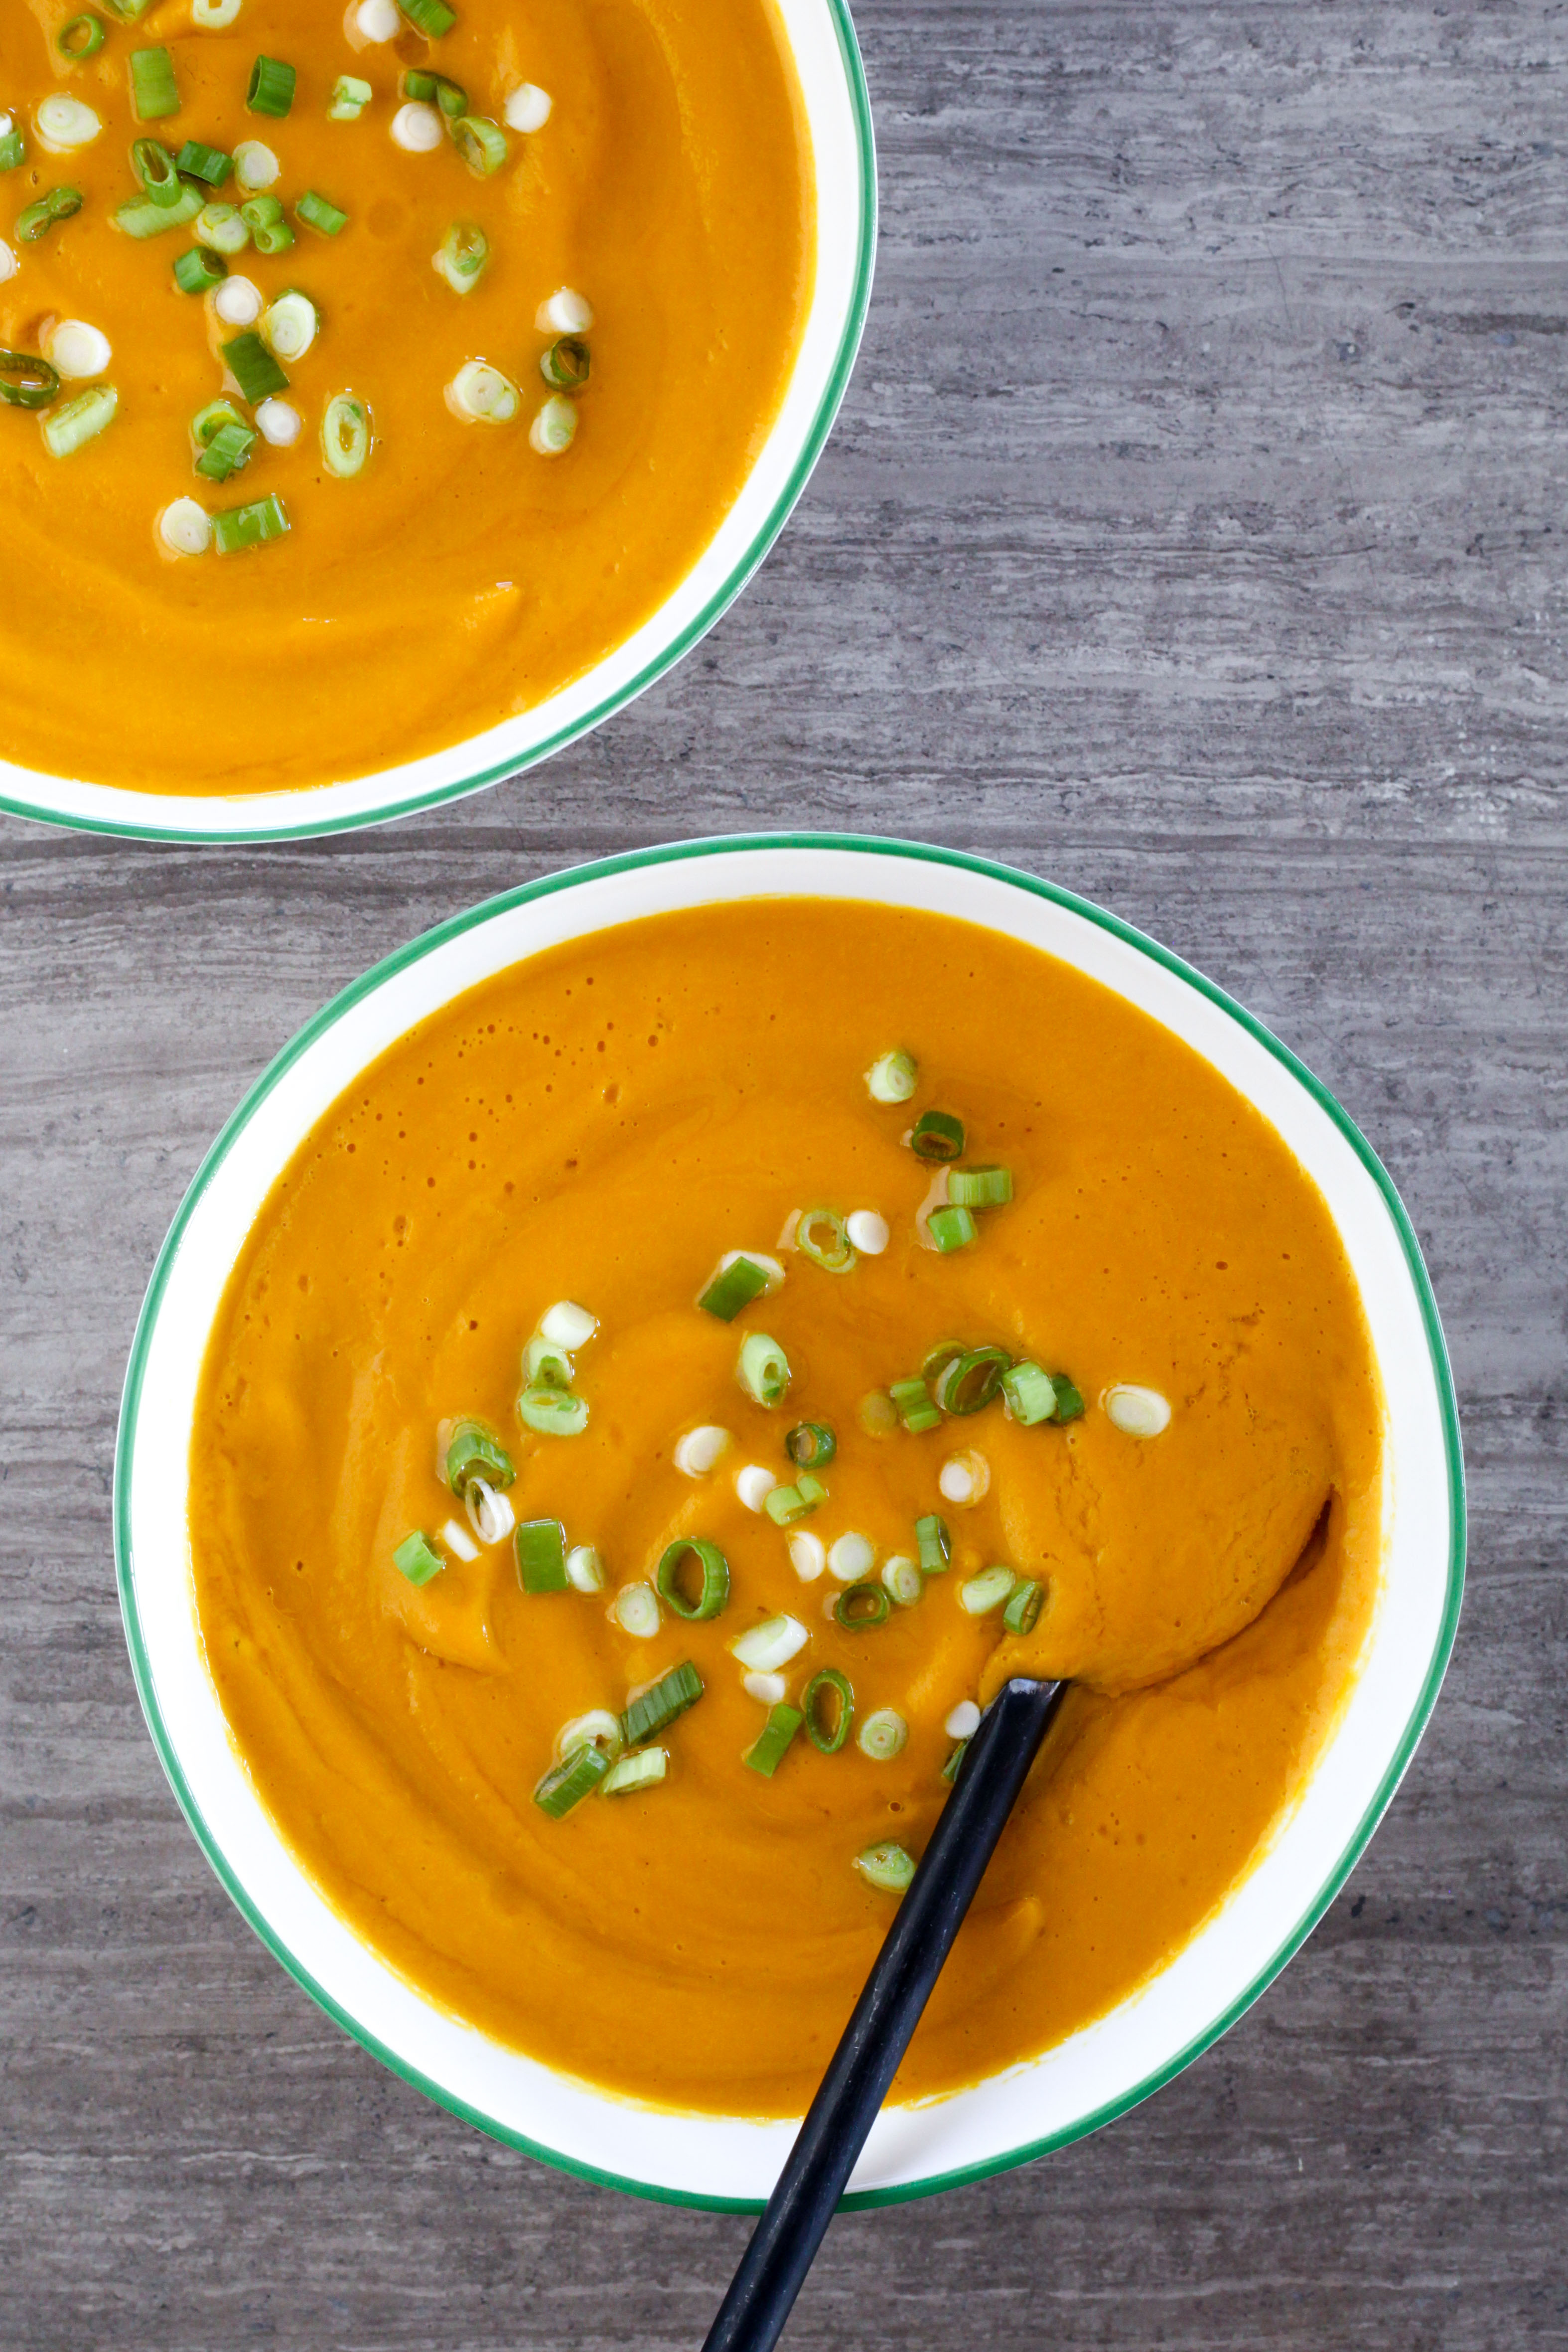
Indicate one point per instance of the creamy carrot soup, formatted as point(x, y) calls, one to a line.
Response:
point(667, 1393)
point(367, 375)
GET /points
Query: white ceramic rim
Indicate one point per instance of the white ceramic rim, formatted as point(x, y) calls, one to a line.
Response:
point(1099, 2072)
point(838, 114)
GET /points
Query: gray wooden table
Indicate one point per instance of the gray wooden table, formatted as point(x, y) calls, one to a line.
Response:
point(1194, 534)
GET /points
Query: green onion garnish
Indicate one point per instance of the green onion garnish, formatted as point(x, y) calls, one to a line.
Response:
point(980, 1188)
point(763, 1369)
point(645, 1770)
point(892, 1079)
point(154, 167)
point(552, 1411)
point(903, 1581)
point(83, 36)
point(206, 163)
point(567, 366)
point(883, 1735)
point(950, 1770)
point(415, 1558)
point(1069, 1403)
point(784, 1505)
point(451, 97)
point(915, 1409)
point(566, 1784)
point(599, 1725)
point(1022, 1611)
point(933, 1545)
point(351, 96)
point(1031, 1394)
point(936, 1136)
point(951, 1229)
point(227, 451)
point(418, 87)
point(211, 419)
point(252, 526)
point(735, 1285)
point(463, 256)
point(811, 1443)
point(430, 18)
point(13, 149)
point(472, 1452)
point(545, 1366)
point(481, 144)
point(271, 90)
point(155, 92)
point(968, 1383)
point(252, 367)
point(317, 213)
point(712, 1574)
point(811, 1490)
point(820, 1236)
point(37, 219)
point(81, 420)
point(291, 325)
point(770, 1747)
point(886, 1866)
point(263, 215)
point(654, 1709)
point(860, 1606)
point(938, 1357)
point(828, 1729)
point(139, 217)
point(221, 226)
point(540, 1547)
point(980, 1594)
point(26, 381)
point(346, 439)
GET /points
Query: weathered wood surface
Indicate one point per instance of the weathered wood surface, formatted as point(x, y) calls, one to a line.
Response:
point(1194, 534)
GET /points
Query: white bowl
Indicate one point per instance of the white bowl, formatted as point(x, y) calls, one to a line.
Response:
point(1099, 2072)
point(838, 114)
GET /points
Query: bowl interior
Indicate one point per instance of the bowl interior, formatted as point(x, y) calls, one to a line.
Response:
point(1099, 2071)
point(837, 118)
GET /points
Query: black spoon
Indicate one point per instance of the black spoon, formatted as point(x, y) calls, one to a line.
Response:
point(784, 2244)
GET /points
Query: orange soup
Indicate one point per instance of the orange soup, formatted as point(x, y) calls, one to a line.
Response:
point(369, 374)
point(666, 1394)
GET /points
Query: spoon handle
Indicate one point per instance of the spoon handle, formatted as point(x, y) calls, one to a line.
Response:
point(752, 2317)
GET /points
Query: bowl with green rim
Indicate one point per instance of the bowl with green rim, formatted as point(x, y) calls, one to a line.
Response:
point(837, 115)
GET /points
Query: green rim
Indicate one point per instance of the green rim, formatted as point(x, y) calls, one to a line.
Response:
point(695, 629)
point(674, 853)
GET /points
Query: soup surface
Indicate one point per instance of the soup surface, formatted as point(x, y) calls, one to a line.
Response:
point(664, 206)
point(603, 1124)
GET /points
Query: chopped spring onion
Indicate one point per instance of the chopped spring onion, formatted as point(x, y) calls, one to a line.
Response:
point(198, 271)
point(893, 1077)
point(263, 215)
point(481, 394)
point(554, 429)
point(980, 1188)
point(83, 36)
point(763, 1649)
point(859, 1607)
point(9, 264)
point(784, 1505)
point(430, 18)
point(712, 1574)
point(346, 435)
point(754, 1484)
point(950, 1228)
point(598, 1728)
point(13, 147)
point(966, 1383)
point(528, 108)
point(877, 1413)
point(933, 1545)
point(76, 351)
point(566, 1784)
point(321, 215)
point(820, 1236)
point(763, 1370)
point(291, 326)
point(584, 1568)
point(568, 1325)
point(915, 1409)
point(951, 1769)
point(81, 420)
point(567, 366)
point(938, 1358)
point(255, 166)
point(903, 1581)
point(964, 1721)
point(67, 122)
point(828, 1704)
point(700, 1450)
point(185, 528)
point(852, 1558)
point(222, 228)
point(811, 1443)
point(463, 258)
point(26, 381)
point(772, 1744)
point(490, 1515)
point(1136, 1412)
point(281, 427)
point(239, 303)
point(980, 1594)
point(229, 452)
point(377, 20)
point(453, 1533)
point(740, 1278)
point(566, 313)
point(419, 85)
point(1022, 1611)
point(867, 1231)
point(271, 89)
point(415, 1558)
point(635, 1610)
point(552, 1411)
point(936, 1136)
point(451, 97)
point(964, 1478)
point(208, 421)
point(545, 1366)
point(36, 220)
point(886, 1866)
point(808, 1556)
point(416, 130)
point(212, 15)
point(351, 96)
point(645, 1770)
point(811, 1488)
point(155, 92)
point(654, 1709)
point(766, 1689)
point(1031, 1394)
point(1069, 1403)
point(883, 1735)
point(252, 367)
point(209, 164)
point(481, 144)
point(252, 526)
point(541, 1549)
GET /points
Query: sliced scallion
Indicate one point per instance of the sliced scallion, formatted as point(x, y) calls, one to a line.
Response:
point(81, 420)
point(763, 1369)
point(635, 1610)
point(154, 167)
point(886, 1868)
point(541, 1549)
point(255, 166)
point(545, 1366)
point(1136, 1411)
point(645, 1770)
point(419, 86)
point(882, 1736)
point(482, 394)
point(950, 1228)
point(772, 1744)
point(980, 1188)
point(252, 367)
point(351, 96)
point(229, 452)
point(763, 1649)
point(915, 1409)
point(430, 18)
point(490, 1513)
point(967, 1383)
point(951, 1769)
point(209, 164)
point(211, 420)
point(252, 526)
point(566, 1784)
point(13, 149)
point(346, 437)
point(463, 256)
point(139, 217)
point(980, 1594)
point(1022, 1611)
point(415, 1560)
point(936, 1136)
point(263, 215)
point(584, 1568)
point(1031, 1394)
point(319, 213)
point(893, 1077)
point(83, 36)
point(155, 92)
point(290, 326)
point(271, 87)
point(568, 1325)
point(820, 1236)
point(207, 15)
point(739, 1279)
point(877, 1413)
point(828, 1704)
point(811, 1490)
point(903, 1581)
point(654, 1709)
point(27, 381)
point(712, 1572)
point(35, 220)
point(221, 228)
point(852, 1556)
point(598, 1727)
point(481, 144)
point(552, 1411)
point(784, 1505)
point(933, 1544)
point(554, 429)
point(567, 366)
point(859, 1607)
point(811, 1443)
point(1069, 1403)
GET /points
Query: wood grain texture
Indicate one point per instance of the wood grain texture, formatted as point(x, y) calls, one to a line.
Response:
point(1193, 535)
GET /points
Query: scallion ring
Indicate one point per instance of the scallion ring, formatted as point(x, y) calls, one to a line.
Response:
point(81, 420)
point(154, 167)
point(1022, 1611)
point(83, 36)
point(347, 435)
point(553, 1411)
point(290, 326)
point(828, 1704)
point(319, 213)
point(481, 144)
point(27, 381)
point(886, 1868)
point(713, 1580)
point(271, 89)
point(645, 1770)
point(597, 1728)
point(967, 1383)
point(915, 1409)
point(654, 1709)
point(155, 92)
point(540, 1548)
point(859, 1607)
point(936, 1136)
point(763, 1369)
point(566, 1784)
point(882, 1736)
point(211, 165)
point(950, 1228)
point(893, 1077)
point(1031, 1394)
point(980, 1188)
point(820, 1236)
point(903, 1581)
point(933, 1544)
point(979, 1595)
point(415, 1560)
point(463, 258)
point(430, 18)
point(567, 366)
point(545, 1366)
point(773, 1742)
